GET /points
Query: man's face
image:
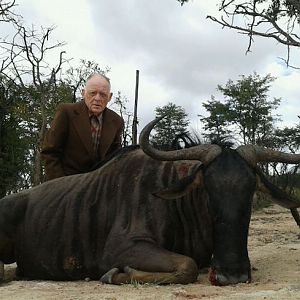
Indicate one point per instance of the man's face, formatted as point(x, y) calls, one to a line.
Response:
point(96, 94)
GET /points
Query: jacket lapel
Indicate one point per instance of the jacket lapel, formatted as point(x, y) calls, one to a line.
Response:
point(82, 125)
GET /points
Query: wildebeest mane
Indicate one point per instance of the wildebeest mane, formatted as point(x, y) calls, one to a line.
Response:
point(194, 139)
point(224, 143)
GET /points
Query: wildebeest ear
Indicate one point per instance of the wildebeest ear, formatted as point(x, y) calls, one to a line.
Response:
point(278, 195)
point(181, 187)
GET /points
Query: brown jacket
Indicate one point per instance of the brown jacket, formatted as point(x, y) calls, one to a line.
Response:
point(67, 148)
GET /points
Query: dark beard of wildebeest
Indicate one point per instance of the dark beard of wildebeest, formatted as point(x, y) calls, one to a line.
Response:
point(157, 217)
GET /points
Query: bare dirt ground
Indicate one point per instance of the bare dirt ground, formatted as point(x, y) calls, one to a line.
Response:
point(274, 250)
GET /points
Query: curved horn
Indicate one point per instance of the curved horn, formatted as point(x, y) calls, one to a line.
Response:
point(205, 153)
point(254, 154)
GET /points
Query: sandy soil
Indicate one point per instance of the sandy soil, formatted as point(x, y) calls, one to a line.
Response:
point(274, 249)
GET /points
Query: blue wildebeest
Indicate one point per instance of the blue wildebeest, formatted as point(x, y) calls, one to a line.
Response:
point(156, 217)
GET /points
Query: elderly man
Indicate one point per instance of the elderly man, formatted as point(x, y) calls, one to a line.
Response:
point(83, 133)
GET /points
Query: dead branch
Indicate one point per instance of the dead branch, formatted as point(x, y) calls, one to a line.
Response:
point(6, 13)
point(281, 25)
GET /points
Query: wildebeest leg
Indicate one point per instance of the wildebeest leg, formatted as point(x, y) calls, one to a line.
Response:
point(147, 263)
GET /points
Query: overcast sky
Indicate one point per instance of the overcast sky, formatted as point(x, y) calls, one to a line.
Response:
point(181, 55)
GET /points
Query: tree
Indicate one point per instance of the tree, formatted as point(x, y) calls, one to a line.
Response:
point(288, 138)
point(174, 124)
point(246, 107)
point(216, 124)
point(250, 108)
point(13, 140)
point(120, 105)
point(273, 19)
point(27, 65)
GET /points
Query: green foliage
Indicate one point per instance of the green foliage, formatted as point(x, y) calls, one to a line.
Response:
point(174, 124)
point(21, 121)
point(216, 124)
point(288, 137)
point(246, 109)
point(13, 139)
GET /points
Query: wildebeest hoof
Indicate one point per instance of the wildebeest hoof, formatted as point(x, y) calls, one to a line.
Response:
point(107, 277)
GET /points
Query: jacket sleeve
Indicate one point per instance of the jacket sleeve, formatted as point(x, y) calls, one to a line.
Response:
point(53, 147)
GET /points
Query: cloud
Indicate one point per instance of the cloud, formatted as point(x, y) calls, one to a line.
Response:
point(181, 55)
point(178, 46)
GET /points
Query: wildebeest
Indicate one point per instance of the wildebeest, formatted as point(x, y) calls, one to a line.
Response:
point(157, 217)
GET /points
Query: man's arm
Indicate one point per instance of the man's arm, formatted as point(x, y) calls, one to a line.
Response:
point(53, 146)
